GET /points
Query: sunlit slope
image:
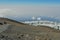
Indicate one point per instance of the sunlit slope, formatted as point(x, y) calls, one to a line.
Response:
point(10, 21)
point(41, 32)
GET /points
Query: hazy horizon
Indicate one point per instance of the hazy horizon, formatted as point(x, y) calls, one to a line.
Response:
point(29, 8)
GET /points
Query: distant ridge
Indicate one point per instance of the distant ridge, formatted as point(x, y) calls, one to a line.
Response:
point(11, 20)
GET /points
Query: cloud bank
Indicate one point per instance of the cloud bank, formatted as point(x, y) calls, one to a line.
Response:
point(27, 11)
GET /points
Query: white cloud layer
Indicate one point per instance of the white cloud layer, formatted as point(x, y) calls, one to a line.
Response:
point(3, 12)
point(23, 11)
point(6, 12)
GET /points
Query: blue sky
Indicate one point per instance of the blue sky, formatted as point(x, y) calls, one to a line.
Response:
point(25, 2)
point(27, 8)
point(30, 2)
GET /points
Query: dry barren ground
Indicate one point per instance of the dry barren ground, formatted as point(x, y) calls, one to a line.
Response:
point(19, 31)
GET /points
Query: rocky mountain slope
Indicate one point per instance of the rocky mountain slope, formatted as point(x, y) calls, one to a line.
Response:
point(19, 31)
